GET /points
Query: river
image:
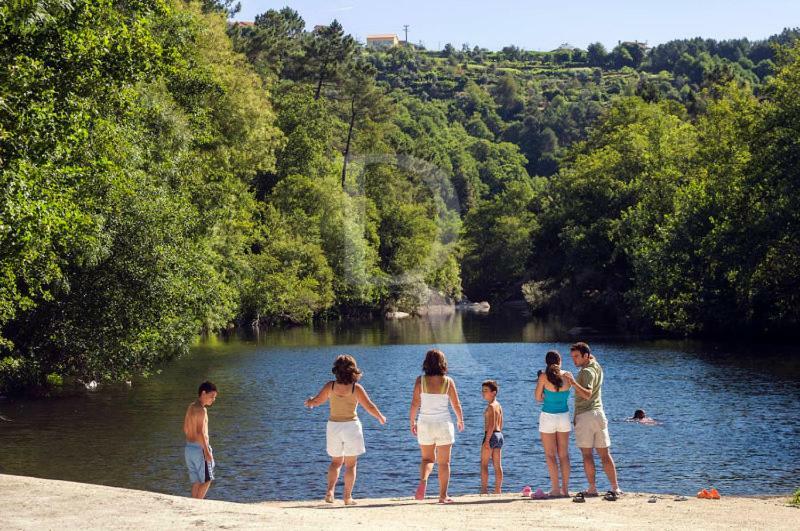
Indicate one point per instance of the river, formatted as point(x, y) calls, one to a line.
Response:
point(727, 415)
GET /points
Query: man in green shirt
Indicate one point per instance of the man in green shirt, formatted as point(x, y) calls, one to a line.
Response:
point(591, 425)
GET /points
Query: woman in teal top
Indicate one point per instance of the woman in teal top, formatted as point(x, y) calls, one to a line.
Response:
point(552, 390)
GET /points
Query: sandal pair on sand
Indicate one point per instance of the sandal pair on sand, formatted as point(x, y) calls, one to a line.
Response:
point(611, 495)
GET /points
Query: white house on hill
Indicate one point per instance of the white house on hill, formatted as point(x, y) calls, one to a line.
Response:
point(387, 40)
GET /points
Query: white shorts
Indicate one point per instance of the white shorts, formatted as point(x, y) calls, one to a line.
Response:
point(440, 433)
point(554, 422)
point(345, 438)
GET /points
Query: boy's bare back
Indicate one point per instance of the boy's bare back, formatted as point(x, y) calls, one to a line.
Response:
point(195, 424)
point(494, 411)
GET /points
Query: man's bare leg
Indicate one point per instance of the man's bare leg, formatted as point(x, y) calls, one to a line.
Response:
point(588, 468)
point(609, 467)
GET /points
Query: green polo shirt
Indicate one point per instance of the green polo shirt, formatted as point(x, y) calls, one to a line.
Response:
point(590, 377)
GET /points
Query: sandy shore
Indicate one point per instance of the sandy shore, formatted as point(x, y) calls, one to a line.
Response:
point(31, 503)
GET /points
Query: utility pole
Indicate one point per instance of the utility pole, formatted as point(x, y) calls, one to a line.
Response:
point(405, 28)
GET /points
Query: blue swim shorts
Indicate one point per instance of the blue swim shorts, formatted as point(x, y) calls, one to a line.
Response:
point(495, 441)
point(200, 471)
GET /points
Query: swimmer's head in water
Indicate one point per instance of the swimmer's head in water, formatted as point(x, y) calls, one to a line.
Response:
point(638, 414)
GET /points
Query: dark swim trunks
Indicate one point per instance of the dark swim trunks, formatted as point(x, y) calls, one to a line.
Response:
point(495, 441)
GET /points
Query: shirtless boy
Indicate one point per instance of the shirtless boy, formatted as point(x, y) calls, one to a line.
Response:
point(492, 446)
point(199, 459)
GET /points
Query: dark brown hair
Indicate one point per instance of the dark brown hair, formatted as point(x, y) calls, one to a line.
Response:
point(206, 387)
point(346, 370)
point(581, 347)
point(435, 363)
point(553, 372)
point(491, 384)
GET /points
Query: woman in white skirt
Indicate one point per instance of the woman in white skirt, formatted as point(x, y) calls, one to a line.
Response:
point(345, 438)
point(554, 424)
point(434, 393)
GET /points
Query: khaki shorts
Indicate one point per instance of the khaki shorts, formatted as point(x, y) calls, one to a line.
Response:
point(591, 430)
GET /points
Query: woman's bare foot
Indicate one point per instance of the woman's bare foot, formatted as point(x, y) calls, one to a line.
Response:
point(554, 494)
point(350, 501)
point(329, 497)
point(497, 491)
point(484, 492)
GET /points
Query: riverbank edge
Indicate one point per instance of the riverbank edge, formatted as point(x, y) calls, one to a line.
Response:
point(34, 503)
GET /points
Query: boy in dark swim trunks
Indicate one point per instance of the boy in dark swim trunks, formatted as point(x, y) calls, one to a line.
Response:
point(492, 446)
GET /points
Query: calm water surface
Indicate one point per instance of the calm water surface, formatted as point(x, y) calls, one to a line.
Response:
point(728, 415)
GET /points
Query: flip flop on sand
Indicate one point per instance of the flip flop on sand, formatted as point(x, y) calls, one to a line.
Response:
point(653, 499)
point(611, 496)
point(579, 498)
point(539, 495)
point(587, 494)
point(681, 498)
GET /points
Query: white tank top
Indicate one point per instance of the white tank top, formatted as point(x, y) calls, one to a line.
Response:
point(435, 407)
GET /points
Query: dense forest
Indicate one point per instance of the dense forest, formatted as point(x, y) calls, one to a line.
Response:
point(167, 172)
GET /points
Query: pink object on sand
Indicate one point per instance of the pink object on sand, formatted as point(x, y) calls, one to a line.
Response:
point(526, 490)
point(539, 494)
point(420, 493)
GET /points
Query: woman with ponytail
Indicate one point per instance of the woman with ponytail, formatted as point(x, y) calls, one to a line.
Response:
point(554, 424)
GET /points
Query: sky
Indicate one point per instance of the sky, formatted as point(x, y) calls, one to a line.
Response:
point(544, 25)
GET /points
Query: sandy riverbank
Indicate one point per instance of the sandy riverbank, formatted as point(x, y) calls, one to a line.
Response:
point(31, 503)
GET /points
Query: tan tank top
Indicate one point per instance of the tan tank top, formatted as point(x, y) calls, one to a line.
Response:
point(343, 408)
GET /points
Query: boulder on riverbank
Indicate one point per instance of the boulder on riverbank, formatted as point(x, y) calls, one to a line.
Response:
point(477, 307)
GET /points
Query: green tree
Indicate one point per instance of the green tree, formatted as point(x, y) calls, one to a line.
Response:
point(597, 54)
point(326, 53)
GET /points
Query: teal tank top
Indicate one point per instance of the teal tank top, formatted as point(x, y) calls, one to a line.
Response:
point(555, 401)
